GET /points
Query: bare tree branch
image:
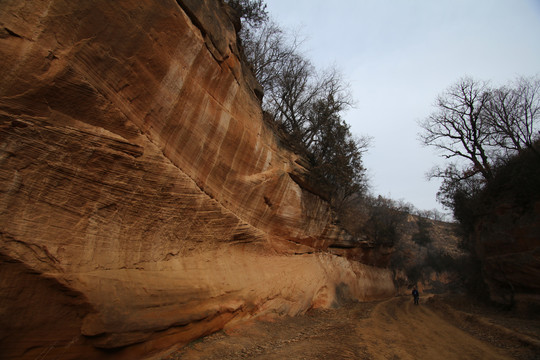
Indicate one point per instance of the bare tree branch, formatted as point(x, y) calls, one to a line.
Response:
point(458, 127)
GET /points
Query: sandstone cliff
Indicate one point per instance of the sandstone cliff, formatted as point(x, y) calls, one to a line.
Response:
point(144, 203)
point(505, 232)
point(508, 242)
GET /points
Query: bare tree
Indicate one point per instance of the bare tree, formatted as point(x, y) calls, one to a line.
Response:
point(513, 113)
point(486, 127)
point(458, 127)
point(268, 49)
point(307, 104)
point(290, 99)
point(332, 98)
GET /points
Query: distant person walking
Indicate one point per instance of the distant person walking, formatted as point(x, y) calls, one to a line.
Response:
point(416, 296)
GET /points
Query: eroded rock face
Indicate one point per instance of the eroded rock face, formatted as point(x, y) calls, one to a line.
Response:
point(508, 242)
point(144, 201)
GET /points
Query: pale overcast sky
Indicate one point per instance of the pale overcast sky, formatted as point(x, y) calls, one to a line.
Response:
point(398, 55)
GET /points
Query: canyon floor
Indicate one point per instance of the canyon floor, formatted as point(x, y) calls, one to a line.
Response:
point(438, 328)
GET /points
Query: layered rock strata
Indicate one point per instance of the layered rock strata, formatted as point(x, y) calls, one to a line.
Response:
point(144, 202)
point(508, 243)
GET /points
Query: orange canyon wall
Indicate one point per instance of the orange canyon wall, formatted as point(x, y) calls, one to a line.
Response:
point(144, 203)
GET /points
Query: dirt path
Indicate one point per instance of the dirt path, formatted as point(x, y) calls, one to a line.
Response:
point(393, 329)
point(400, 330)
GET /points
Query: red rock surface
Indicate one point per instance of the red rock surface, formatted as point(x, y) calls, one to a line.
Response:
point(144, 201)
point(508, 242)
